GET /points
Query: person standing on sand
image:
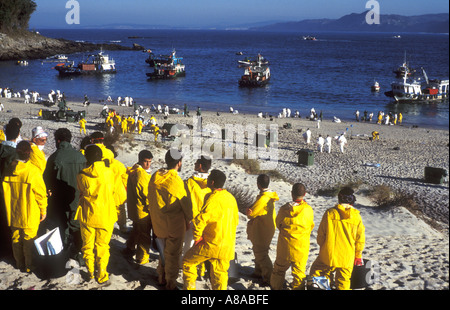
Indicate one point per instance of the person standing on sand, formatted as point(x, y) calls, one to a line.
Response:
point(341, 237)
point(82, 123)
point(196, 188)
point(261, 227)
point(137, 205)
point(25, 198)
point(328, 144)
point(320, 143)
point(341, 141)
point(168, 204)
point(214, 235)
point(96, 213)
point(295, 220)
point(307, 136)
point(60, 177)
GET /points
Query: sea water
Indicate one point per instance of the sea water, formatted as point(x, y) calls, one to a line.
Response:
point(333, 74)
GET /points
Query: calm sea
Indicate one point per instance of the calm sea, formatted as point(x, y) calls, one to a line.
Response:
point(332, 74)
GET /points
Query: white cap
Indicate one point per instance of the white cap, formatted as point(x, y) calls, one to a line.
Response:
point(39, 132)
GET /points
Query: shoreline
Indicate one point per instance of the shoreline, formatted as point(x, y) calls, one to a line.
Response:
point(412, 253)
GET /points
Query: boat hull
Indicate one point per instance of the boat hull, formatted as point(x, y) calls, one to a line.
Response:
point(417, 98)
point(165, 76)
point(78, 72)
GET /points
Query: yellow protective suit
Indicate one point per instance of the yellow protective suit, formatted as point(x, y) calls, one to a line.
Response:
point(124, 125)
point(137, 206)
point(216, 224)
point(260, 231)
point(295, 222)
point(82, 123)
point(166, 194)
point(97, 214)
point(140, 126)
point(25, 198)
point(37, 158)
point(120, 191)
point(341, 237)
point(196, 190)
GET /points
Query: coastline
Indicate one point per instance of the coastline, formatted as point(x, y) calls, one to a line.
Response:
point(412, 254)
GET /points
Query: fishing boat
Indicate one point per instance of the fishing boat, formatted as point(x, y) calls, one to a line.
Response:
point(417, 90)
point(169, 67)
point(94, 64)
point(256, 73)
point(404, 69)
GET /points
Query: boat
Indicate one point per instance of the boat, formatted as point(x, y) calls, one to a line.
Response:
point(257, 72)
point(23, 63)
point(94, 64)
point(169, 67)
point(309, 38)
point(375, 87)
point(416, 90)
point(397, 36)
point(404, 69)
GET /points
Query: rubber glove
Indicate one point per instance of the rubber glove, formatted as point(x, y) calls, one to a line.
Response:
point(196, 242)
point(359, 262)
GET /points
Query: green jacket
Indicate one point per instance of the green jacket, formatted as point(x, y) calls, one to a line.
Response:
point(60, 175)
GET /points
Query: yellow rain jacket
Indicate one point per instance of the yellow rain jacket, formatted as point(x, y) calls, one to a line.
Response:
point(25, 196)
point(165, 194)
point(96, 207)
point(197, 190)
point(37, 158)
point(261, 227)
point(120, 182)
point(341, 236)
point(137, 192)
point(295, 222)
point(216, 224)
point(124, 125)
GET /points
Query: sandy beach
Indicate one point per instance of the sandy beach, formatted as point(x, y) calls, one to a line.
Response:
point(410, 243)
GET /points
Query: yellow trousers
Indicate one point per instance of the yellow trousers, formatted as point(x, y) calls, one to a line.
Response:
point(169, 268)
point(218, 272)
point(140, 239)
point(339, 276)
point(23, 246)
point(279, 272)
point(263, 263)
point(96, 250)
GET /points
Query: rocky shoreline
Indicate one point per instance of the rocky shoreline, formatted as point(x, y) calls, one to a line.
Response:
point(29, 45)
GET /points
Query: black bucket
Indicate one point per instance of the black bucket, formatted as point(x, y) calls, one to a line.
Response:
point(363, 276)
point(51, 266)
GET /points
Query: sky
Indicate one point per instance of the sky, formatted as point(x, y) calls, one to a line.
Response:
point(216, 13)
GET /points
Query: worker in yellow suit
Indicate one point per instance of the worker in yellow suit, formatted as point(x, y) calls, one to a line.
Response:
point(261, 227)
point(96, 213)
point(341, 237)
point(120, 189)
point(25, 197)
point(124, 125)
point(167, 195)
point(137, 205)
point(197, 189)
point(38, 141)
point(82, 123)
point(131, 124)
point(400, 118)
point(295, 221)
point(140, 125)
point(214, 235)
point(156, 131)
point(375, 135)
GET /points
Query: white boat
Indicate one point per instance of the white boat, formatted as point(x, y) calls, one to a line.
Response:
point(417, 90)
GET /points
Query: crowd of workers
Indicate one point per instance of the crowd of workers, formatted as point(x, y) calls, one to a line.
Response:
point(191, 223)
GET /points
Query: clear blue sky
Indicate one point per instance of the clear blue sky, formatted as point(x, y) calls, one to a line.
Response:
point(209, 13)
